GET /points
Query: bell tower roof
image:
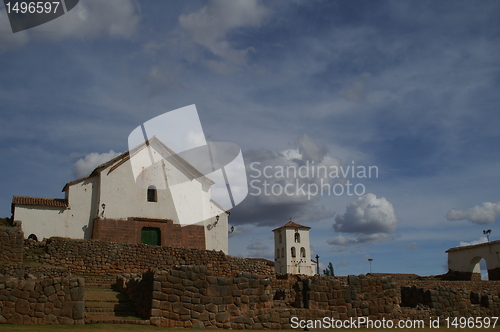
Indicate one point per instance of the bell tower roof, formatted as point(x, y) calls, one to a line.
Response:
point(291, 224)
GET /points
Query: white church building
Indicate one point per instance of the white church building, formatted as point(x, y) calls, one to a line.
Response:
point(109, 205)
point(293, 250)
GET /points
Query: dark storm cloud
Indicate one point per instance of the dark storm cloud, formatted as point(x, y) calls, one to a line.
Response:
point(264, 206)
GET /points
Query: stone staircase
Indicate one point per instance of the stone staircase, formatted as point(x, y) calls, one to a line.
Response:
point(106, 305)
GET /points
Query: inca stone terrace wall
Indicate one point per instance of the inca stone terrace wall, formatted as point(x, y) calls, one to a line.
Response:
point(192, 296)
point(98, 257)
point(41, 301)
point(11, 244)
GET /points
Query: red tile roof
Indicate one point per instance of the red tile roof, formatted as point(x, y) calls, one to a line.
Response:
point(291, 224)
point(39, 201)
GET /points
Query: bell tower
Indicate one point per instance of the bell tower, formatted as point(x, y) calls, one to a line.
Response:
point(292, 249)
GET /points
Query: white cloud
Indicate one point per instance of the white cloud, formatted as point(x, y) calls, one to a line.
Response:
point(88, 20)
point(369, 219)
point(481, 240)
point(210, 26)
point(367, 215)
point(479, 214)
point(83, 167)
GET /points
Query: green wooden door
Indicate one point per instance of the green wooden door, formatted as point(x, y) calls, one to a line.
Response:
point(151, 236)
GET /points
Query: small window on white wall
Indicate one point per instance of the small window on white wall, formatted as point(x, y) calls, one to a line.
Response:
point(152, 195)
point(281, 238)
point(297, 237)
point(282, 252)
point(302, 252)
point(293, 251)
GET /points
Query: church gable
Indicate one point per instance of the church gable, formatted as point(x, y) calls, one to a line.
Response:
point(169, 204)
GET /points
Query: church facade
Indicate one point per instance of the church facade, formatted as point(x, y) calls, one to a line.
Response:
point(109, 205)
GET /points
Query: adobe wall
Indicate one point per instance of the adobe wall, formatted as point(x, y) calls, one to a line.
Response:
point(41, 301)
point(98, 257)
point(129, 231)
point(11, 244)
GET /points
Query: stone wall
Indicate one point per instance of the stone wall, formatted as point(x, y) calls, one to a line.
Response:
point(139, 290)
point(428, 283)
point(446, 301)
point(32, 272)
point(192, 296)
point(11, 244)
point(41, 301)
point(97, 257)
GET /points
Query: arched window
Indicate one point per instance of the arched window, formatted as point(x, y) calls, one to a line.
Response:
point(297, 237)
point(278, 253)
point(33, 237)
point(152, 197)
point(282, 252)
point(293, 251)
point(281, 238)
point(303, 252)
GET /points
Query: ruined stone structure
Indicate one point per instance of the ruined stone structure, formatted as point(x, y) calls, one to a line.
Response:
point(463, 262)
point(192, 296)
point(11, 244)
point(186, 287)
point(58, 300)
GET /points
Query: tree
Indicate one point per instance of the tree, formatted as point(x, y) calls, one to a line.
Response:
point(329, 270)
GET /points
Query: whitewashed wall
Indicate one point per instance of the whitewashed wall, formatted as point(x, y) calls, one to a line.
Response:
point(466, 259)
point(73, 222)
point(287, 263)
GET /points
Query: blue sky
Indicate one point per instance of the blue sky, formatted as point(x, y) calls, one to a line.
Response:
point(409, 87)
